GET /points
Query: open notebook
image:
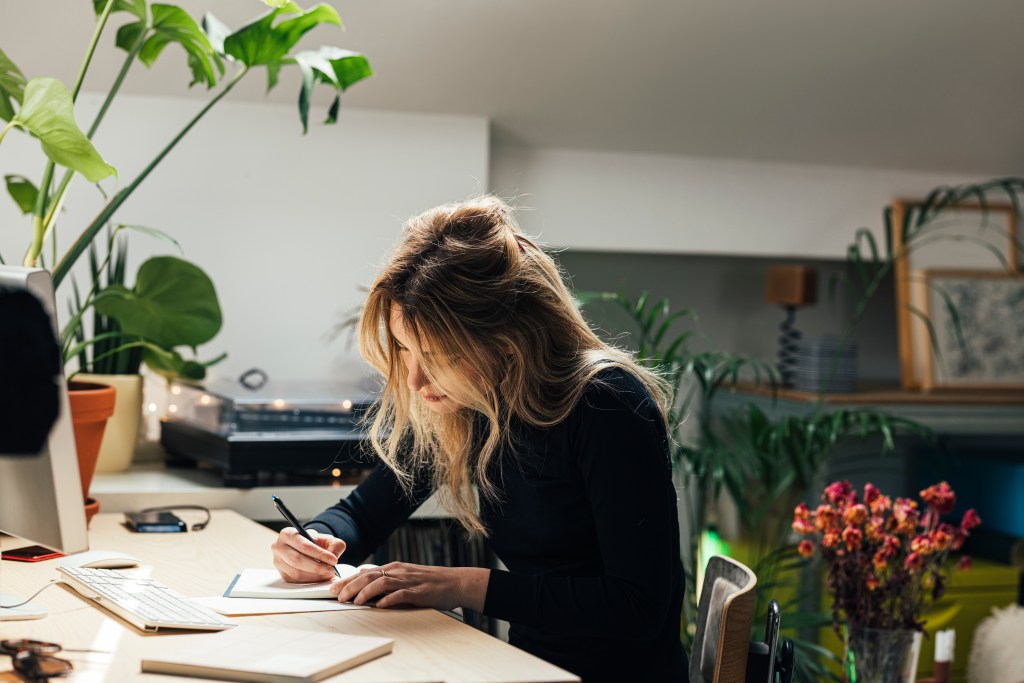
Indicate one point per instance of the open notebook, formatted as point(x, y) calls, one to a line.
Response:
point(267, 583)
point(263, 655)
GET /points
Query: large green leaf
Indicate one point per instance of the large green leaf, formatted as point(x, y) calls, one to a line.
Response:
point(136, 7)
point(172, 304)
point(261, 43)
point(333, 66)
point(48, 113)
point(12, 86)
point(174, 25)
point(23, 191)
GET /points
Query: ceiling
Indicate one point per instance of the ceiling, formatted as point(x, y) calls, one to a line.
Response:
point(910, 84)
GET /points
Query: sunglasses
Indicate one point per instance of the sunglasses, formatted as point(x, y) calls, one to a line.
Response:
point(34, 660)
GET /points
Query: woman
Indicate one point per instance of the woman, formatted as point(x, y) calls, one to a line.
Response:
point(534, 433)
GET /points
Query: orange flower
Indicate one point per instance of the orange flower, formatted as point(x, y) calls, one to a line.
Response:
point(802, 526)
point(856, 514)
point(801, 511)
point(880, 560)
point(871, 493)
point(880, 504)
point(875, 529)
point(852, 537)
point(923, 545)
point(906, 516)
point(825, 518)
point(872, 582)
point(830, 539)
point(806, 548)
point(941, 538)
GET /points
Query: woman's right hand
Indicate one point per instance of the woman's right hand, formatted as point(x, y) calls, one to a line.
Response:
point(299, 561)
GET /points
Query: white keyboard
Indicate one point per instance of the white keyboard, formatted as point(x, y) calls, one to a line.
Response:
point(146, 603)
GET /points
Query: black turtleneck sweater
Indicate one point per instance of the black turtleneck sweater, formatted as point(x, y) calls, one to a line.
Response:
point(586, 523)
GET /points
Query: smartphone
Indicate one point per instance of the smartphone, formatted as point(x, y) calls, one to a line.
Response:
point(30, 553)
point(154, 522)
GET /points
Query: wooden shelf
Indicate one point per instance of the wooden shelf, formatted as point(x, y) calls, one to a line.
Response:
point(892, 394)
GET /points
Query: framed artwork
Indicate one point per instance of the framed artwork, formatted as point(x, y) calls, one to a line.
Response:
point(978, 346)
point(964, 237)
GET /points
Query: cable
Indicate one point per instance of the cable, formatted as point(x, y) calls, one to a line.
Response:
point(29, 598)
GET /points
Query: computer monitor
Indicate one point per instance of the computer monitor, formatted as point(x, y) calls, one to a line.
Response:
point(41, 494)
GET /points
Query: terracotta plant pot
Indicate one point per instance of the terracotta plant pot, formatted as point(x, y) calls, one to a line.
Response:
point(91, 406)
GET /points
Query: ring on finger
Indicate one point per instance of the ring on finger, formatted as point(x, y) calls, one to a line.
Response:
point(383, 573)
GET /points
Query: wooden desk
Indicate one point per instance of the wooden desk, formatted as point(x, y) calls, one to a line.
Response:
point(429, 645)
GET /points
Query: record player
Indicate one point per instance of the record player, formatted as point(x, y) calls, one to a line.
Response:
point(294, 431)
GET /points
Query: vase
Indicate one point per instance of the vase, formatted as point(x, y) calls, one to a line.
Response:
point(879, 655)
point(91, 407)
point(122, 432)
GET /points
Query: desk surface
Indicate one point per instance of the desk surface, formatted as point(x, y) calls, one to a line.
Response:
point(429, 646)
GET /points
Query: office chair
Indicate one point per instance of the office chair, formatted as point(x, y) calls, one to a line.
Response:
point(722, 651)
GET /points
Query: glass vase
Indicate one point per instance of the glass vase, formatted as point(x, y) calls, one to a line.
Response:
point(876, 655)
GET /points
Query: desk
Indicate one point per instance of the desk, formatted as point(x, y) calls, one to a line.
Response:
point(429, 646)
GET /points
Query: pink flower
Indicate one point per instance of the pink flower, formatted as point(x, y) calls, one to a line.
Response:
point(941, 497)
point(806, 548)
point(913, 563)
point(856, 514)
point(964, 564)
point(871, 493)
point(801, 511)
point(872, 582)
point(970, 520)
point(830, 539)
point(906, 516)
point(840, 493)
point(852, 537)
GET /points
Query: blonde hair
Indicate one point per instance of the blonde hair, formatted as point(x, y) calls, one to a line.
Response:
point(487, 298)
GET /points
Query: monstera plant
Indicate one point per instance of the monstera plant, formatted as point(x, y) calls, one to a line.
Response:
point(171, 304)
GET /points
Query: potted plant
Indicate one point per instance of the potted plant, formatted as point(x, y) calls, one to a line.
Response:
point(886, 562)
point(172, 304)
point(218, 57)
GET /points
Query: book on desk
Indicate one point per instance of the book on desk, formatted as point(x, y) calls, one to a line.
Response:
point(264, 655)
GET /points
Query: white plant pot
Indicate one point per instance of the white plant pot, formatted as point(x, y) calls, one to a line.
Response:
point(122, 430)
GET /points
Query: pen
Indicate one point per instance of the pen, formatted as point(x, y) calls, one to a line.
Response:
point(290, 518)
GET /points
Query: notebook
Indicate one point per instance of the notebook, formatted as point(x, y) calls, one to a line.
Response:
point(263, 655)
point(267, 583)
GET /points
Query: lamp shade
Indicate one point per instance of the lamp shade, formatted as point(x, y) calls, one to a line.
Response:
point(792, 286)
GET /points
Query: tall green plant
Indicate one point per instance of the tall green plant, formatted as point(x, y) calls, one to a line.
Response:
point(217, 57)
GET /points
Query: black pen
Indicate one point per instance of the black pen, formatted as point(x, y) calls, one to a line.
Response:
point(290, 518)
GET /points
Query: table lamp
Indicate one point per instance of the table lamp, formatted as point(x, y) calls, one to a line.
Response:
point(790, 287)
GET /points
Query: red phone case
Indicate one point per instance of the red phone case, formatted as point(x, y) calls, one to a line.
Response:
point(32, 553)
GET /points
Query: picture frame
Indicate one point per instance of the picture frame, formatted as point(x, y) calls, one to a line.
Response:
point(977, 347)
point(966, 237)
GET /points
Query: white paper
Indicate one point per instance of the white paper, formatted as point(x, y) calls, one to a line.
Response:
point(235, 607)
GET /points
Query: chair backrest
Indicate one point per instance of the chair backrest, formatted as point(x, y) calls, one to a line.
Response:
point(724, 618)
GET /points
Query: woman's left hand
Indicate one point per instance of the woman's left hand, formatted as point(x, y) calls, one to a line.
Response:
point(398, 584)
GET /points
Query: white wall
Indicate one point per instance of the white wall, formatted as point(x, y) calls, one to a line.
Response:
point(608, 201)
point(288, 226)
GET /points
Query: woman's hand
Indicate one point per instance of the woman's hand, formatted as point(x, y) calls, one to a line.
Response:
point(398, 584)
point(299, 561)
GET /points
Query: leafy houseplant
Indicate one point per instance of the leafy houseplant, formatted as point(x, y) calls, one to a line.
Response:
point(126, 330)
point(886, 561)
